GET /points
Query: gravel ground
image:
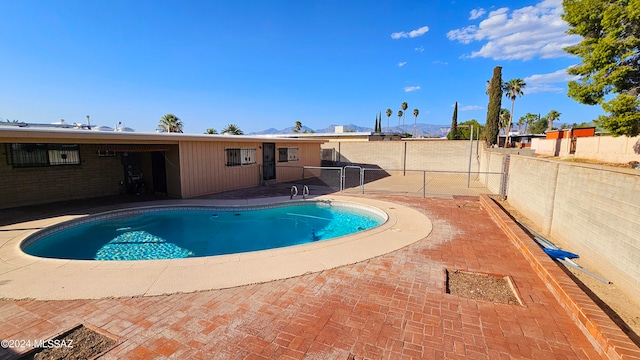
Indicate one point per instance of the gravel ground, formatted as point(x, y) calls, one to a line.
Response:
point(480, 287)
point(84, 344)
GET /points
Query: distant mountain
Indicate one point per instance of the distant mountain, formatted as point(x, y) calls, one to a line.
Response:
point(427, 130)
point(288, 130)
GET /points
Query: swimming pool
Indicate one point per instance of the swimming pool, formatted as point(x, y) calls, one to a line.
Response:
point(184, 232)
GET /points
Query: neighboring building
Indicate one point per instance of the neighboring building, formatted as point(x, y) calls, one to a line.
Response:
point(519, 141)
point(47, 164)
point(571, 133)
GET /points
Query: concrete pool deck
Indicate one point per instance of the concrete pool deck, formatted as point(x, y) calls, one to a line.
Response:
point(393, 306)
point(59, 279)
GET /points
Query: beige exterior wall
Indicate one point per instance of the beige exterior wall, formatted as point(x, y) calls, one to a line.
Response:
point(590, 210)
point(95, 176)
point(195, 164)
point(203, 169)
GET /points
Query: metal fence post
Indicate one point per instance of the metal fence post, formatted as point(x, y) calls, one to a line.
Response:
point(424, 184)
point(361, 180)
point(470, 155)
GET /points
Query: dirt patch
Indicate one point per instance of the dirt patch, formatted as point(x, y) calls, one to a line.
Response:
point(590, 161)
point(78, 343)
point(624, 311)
point(481, 287)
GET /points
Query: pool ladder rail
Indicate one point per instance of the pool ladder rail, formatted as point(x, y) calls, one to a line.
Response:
point(294, 192)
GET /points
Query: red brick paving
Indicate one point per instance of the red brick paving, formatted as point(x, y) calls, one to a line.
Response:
point(390, 307)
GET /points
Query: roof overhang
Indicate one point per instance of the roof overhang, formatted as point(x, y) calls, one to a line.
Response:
point(78, 136)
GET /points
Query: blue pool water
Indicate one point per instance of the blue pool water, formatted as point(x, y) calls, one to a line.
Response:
point(193, 232)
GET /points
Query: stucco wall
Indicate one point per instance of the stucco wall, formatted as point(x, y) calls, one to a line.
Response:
point(620, 149)
point(591, 210)
point(610, 149)
point(551, 147)
point(95, 176)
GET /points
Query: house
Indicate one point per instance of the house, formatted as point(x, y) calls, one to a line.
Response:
point(45, 164)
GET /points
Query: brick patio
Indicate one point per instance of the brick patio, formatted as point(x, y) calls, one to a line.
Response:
point(391, 307)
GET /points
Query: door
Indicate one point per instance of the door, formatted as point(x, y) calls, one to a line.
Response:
point(159, 170)
point(268, 161)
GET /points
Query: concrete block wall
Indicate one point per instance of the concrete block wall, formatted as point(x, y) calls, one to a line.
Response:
point(387, 155)
point(434, 155)
point(491, 162)
point(597, 214)
point(531, 189)
point(96, 176)
point(590, 210)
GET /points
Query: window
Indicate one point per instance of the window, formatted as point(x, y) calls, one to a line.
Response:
point(238, 157)
point(33, 155)
point(287, 154)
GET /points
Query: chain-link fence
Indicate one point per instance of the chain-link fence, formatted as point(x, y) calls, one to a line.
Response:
point(355, 179)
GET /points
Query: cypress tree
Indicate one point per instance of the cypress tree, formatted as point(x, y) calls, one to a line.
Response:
point(453, 133)
point(493, 109)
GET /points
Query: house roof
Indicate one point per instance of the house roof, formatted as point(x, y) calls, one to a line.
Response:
point(13, 134)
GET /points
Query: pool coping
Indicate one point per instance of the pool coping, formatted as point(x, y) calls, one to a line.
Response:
point(26, 276)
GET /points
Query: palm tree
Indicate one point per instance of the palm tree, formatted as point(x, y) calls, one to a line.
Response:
point(388, 112)
point(530, 121)
point(400, 113)
point(504, 117)
point(552, 115)
point(521, 122)
point(211, 131)
point(170, 123)
point(298, 127)
point(513, 89)
point(416, 112)
point(404, 107)
point(232, 129)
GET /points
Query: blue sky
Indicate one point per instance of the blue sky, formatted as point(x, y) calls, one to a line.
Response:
point(262, 64)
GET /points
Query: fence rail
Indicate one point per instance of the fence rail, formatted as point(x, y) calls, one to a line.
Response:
point(356, 179)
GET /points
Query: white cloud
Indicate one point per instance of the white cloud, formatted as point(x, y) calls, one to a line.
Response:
point(419, 49)
point(522, 34)
point(548, 82)
point(476, 13)
point(402, 63)
point(411, 34)
point(470, 107)
point(411, 88)
point(440, 62)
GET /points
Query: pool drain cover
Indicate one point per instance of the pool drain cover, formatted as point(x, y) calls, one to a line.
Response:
point(79, 342)
point(486, 287)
